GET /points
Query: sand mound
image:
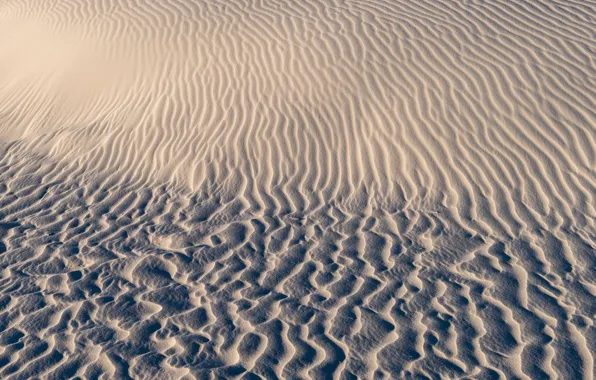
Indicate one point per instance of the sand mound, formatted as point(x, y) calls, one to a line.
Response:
point(297, 189)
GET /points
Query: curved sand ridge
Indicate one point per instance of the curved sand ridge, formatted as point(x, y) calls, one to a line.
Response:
point(297, 189)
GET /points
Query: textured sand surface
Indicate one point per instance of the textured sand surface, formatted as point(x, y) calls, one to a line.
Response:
point(298, 189)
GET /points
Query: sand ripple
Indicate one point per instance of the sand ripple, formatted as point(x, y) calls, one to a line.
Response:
point(150, 282)
point(297, 189)
point(483, 107)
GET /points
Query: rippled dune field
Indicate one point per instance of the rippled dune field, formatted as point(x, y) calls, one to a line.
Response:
point(373, 189)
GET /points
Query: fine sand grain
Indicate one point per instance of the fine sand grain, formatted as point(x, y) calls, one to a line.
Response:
point(298, 189)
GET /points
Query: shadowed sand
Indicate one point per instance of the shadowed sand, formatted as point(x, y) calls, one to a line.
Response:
point(297, 189)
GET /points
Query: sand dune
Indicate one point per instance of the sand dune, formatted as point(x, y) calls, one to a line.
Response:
point(287, 189)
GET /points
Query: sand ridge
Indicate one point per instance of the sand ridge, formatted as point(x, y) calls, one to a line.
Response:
point(369, 188)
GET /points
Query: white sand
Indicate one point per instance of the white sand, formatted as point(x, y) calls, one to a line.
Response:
point(297, 189)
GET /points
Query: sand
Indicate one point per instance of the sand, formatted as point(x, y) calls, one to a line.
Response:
point(297, 189)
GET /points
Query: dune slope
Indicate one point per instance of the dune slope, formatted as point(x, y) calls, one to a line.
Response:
point(286, 189)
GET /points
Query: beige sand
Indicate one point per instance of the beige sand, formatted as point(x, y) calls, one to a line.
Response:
point(298, 189)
